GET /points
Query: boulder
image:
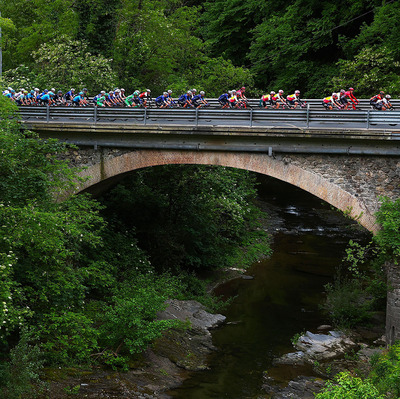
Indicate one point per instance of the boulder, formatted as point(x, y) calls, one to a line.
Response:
point(322, 347)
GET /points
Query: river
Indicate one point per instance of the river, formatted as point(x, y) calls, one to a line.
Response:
point(281, 300)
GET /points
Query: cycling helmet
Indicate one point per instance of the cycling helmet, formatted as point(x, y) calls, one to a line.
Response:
point(6, 92)
point(189, 92)
point(297, 92)
point(45, 91)
point(388, 96)
point(334, 95)
point(281, 91)
point(202, 93)
point(81, 93)
point(165, 93)
point(194, 90)
point(342, 91)
point(382, 92)
point(59, 92)
point(35, 89)
point(110, 92)
point(53, 89)
point(272, 93)
point(229, 91)
point(118, 91)
point(233, 91)
point(102, 92)
point(122, 89)
point(351, 89)
point(169, 91)
point(85, 89)
point(243, 88)
point(72, 89)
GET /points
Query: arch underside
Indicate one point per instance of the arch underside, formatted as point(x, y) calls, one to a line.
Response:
point(260, 163)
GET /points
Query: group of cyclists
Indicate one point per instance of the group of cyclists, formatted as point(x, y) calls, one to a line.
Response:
point(342, 100)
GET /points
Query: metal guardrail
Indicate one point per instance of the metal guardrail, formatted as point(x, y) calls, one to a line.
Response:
point(305, 117)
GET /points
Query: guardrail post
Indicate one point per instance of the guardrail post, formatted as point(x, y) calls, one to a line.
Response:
point(368, 119)
point(308, 116)
point(47, 113)
point(197, 116)
point(251, 117)
point(145, 116)
point(95, 114)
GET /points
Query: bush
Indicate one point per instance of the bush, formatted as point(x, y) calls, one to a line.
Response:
point(386, 371)
point(345, 303)
point(19, 378)
point(347, 386)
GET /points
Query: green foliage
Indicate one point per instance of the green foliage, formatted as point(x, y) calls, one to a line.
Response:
point(130, 323)
point(200, 215)
point(19, 378)
point(385, 373)
point(345, 303)
point(388, 238)
point(67, 337)
point(371, 70)
point(349, 387)
point(64, 63)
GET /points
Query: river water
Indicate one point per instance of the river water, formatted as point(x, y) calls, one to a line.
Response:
point(281, 300)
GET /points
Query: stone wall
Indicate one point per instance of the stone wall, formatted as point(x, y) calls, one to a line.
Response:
point(393, 304)
point(365, 177)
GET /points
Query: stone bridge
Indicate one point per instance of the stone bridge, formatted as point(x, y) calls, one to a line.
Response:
point(349, 168)
point(352, 184)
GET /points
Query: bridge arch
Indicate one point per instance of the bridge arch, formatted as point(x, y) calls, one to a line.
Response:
point(307, 180)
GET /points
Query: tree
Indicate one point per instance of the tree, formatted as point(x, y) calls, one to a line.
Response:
point(65, 63)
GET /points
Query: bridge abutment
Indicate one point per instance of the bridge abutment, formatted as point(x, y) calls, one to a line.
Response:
point(393, 303)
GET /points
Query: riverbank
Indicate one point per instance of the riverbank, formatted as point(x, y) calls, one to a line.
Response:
point(162, 367)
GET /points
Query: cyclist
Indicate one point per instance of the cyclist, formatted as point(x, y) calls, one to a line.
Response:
point(342, 98)
point(102, 101)
point(223, 100)
point(162, 101)
point(145, 97)
point(59, 98)
point(78, 100)
point(352, 97)
point(233, 101)
point(136, 99)
point(376, 101)
point(331, 102)
point(386, 102)
point(293, 100)
point(199, 100)
point(69, 95)
point(280, 100)
point(269, 100)
point(185, 100)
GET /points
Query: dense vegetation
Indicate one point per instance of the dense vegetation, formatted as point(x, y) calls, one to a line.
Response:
point(82, 281)
point(352, 298)
point(314, 46)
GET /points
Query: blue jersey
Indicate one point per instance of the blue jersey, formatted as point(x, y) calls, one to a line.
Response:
point(184, 97)
point(77, 98)
point(223, 97)
point(44, 97)
point(160, 99)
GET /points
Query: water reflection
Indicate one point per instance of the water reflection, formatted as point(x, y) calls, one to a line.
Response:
point(282, 299)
